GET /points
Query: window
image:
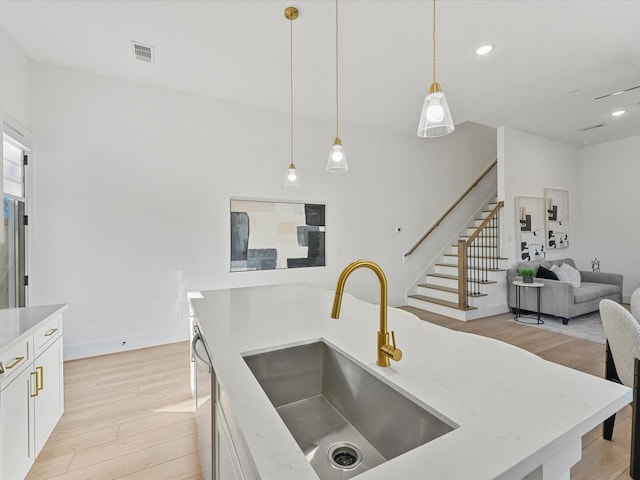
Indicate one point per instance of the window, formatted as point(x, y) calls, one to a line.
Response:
point(13, 167)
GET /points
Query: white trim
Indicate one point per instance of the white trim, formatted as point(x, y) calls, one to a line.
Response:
point(16, 128)
point(113, 345)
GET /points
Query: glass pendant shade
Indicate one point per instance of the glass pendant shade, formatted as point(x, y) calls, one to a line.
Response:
point(435, 120)
point(293, 179)
point(337, 161)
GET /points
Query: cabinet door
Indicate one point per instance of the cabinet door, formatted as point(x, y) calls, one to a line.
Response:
point(204, 409)
point(16, 416)
point(226, 461)
point(49, 403)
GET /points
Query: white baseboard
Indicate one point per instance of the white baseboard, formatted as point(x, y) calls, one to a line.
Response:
point(113, 345)
point(492, 310)
point(397, 302)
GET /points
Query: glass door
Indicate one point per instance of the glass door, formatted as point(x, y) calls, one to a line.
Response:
point(13, 279)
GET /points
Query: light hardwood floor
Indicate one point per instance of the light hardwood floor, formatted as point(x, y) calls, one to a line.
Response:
point(127, 416)
point(130, 415)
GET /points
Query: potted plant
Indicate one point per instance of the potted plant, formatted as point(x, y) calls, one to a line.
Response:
point(527, 274)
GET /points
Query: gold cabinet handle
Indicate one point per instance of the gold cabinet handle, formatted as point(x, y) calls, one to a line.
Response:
point(35, 394)
point(15, 362)
point(51, 332)
point(39, 379)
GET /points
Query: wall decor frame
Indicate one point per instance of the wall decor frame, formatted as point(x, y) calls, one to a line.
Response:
point(530, 229)
point(269, 235)
point(556, 204)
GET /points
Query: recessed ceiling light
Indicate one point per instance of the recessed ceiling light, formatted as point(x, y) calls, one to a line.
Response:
point(617, 113)
point(483, 50)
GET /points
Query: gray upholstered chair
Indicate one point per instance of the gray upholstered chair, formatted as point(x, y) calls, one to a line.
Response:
point(635, 304)
point(622, 361)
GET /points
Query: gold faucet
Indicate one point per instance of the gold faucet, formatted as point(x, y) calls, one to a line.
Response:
point(385, 351)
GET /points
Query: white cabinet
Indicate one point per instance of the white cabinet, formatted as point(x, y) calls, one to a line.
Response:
point(234, 461)
point(16, 413)
point(31, 394)
point(227, 459)
point(49, 401)
point(222, 455)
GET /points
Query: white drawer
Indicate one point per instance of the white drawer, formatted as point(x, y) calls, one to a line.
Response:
point(14, 358)
point(47, 333)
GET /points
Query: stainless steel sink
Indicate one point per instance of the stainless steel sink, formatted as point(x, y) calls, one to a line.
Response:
point(345, 419)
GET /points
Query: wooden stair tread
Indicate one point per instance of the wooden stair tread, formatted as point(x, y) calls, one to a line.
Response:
point(443, 275)
point(455, 277)
point(437, 301)
point(455, 265)
point(449, 290)
point(486, 236)
point(488, 258)
point(439, 287)
point(467, 236)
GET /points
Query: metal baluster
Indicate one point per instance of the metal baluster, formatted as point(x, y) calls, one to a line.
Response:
point(470, 269)
point(486, 257)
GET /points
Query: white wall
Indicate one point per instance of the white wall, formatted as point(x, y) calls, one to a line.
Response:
point(608, 217)
point(132, 187)
point(527, 165)
point(14, 83)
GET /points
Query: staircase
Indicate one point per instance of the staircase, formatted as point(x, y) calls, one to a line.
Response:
point(482, 281)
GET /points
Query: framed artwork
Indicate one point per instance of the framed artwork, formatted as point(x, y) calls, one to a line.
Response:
point(556, 203)
point(530, 228)
point(269, 235)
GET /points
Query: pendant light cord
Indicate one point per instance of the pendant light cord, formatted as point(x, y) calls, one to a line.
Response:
point(337, 136)
point(434, 41)
point(291, 84)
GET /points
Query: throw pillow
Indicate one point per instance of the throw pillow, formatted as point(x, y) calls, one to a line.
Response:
point(562, 275)
point(546, 273)
point(574, 275)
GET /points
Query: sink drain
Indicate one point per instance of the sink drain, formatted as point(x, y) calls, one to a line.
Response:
point(344, 456)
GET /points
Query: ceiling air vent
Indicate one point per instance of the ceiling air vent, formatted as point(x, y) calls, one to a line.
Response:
point(143, 52)
point(584, 129)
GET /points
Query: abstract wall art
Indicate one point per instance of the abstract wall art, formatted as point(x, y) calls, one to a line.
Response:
point(556, 204)
point(268, 235)
point(530, 228)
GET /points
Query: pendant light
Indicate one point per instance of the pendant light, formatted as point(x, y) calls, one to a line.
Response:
point(337, 161)
point(292, 180)
point(435, 120)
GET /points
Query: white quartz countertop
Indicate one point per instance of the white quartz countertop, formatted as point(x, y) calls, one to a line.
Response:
point(15, 322)
point(514, 411)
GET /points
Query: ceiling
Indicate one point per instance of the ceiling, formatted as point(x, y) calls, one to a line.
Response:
point(551, 57)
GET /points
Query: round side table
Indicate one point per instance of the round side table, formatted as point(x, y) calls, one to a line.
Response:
point(519, 285)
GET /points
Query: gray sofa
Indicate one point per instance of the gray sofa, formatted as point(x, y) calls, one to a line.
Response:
point(562, 299)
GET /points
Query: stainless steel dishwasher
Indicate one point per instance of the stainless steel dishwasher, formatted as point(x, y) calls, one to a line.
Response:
point(205, 386)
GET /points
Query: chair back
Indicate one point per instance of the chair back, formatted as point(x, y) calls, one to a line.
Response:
point(635, 304)
point(623, 333)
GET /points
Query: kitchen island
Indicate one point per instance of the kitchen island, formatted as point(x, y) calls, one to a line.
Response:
point(513, 414)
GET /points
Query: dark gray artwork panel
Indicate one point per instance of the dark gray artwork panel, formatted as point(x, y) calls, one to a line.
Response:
point(239, 235)
point(262, 258)
point(303, 234)
point(314, 214)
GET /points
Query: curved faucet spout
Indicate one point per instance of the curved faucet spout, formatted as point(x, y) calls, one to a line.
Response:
point(385, 350)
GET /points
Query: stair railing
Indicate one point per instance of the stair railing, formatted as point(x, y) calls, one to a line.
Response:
point(474, 261)
point(451, 208)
